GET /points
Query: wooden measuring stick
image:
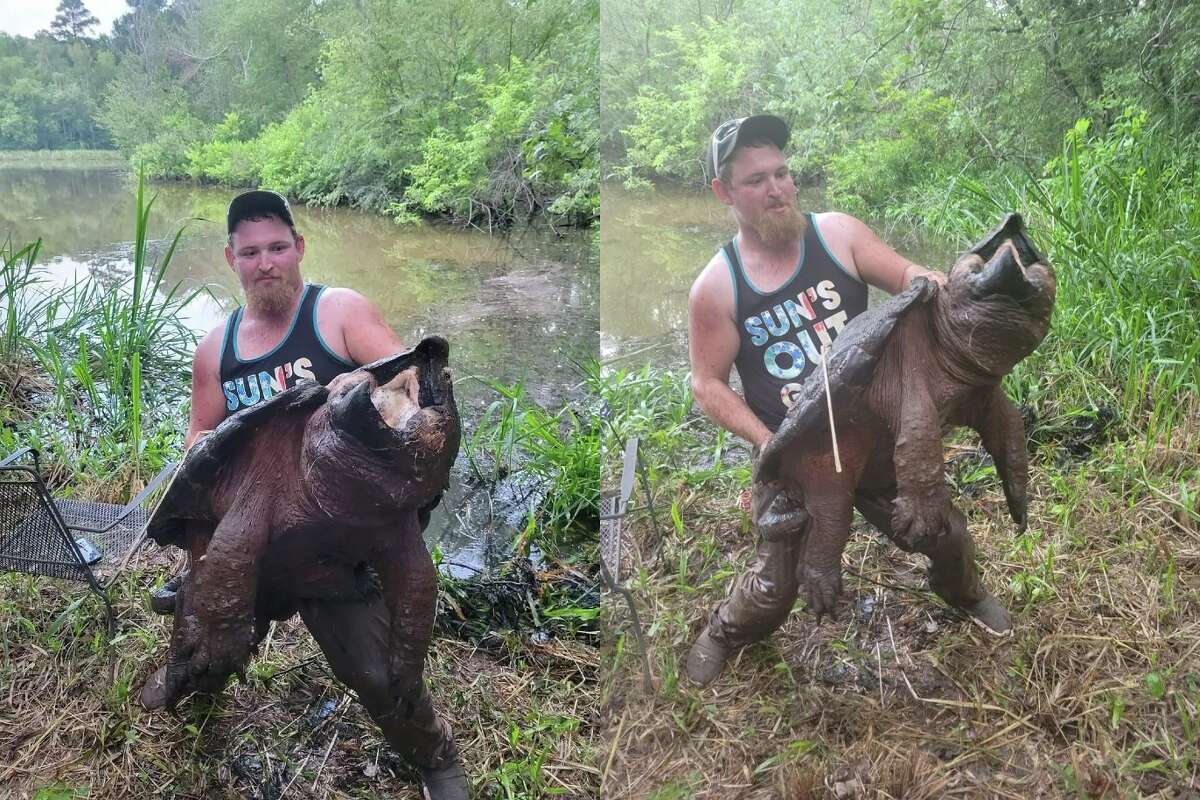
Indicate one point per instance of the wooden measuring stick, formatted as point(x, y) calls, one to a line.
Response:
point(837, 459)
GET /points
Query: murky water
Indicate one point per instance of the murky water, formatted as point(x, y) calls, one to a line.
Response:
point(654, 244)
point(519, 308)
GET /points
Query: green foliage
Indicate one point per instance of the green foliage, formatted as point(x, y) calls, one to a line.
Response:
point(1116, 213)
point(710, 68)
point(883, 101)
point(560, 450)
point(50, 93)
point(894, 152)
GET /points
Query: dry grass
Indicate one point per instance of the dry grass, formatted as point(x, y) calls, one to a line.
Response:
point(1096, 694)
point(522, 713)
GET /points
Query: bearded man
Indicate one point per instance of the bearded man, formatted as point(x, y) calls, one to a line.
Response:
point(289, 330)
point(769, 302)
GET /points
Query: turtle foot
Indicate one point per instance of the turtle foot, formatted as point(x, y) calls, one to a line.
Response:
point(706, 659)
point(990, 615)
point(155, 694)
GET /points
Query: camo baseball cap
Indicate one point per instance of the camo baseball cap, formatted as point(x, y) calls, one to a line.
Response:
point(255, 204)
point(728, 135)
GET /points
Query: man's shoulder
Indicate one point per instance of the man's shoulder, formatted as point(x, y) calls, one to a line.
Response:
point(208, 349)
point(837, 226)
point(341, 298)
point(713, 288)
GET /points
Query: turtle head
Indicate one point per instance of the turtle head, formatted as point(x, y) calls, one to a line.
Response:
point(997, 302)
point(391, 432)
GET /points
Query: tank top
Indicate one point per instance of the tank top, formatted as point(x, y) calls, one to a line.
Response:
point(302, 354)
point(782, 332)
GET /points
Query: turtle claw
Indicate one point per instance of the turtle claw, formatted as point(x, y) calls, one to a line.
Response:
point(822, 589)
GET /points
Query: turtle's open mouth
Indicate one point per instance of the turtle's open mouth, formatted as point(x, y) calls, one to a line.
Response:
point(1007, 255)
point(414, 383)
point(430, 357)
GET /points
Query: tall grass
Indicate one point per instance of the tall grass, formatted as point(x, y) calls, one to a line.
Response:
point(1118, 215)
point(560, 449)
point(113, 359)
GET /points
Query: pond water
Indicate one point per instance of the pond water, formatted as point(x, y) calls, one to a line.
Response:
point(515, 308)
point(653, 245)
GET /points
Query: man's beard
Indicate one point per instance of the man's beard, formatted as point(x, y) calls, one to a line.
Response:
point(271, 299)
point(778, 229)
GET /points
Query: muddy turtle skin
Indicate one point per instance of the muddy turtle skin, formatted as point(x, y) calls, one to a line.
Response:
point(929, 359)
point(311, 494)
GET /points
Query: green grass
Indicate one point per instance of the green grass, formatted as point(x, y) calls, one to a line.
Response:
point(1118, 215)
point(1099, 678)
point(560, 449)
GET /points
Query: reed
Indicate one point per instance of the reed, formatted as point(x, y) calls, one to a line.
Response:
point(114, 358)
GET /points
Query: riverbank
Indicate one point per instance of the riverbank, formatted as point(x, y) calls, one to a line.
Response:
point(99, 386)
point(62, 158)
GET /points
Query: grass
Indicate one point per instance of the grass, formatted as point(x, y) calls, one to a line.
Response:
point(1118, 215)
point(1095, 694)
point(75, 362)
point(560, 450)
point(521, 712)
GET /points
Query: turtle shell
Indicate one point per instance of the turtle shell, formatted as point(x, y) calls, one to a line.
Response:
point(852, 359)
point(187, 496)
point(854, 354)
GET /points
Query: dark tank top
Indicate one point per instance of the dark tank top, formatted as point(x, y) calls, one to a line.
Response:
point(782, 332)
point(302, 354)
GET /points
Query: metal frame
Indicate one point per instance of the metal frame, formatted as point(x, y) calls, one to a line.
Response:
point(76, 567)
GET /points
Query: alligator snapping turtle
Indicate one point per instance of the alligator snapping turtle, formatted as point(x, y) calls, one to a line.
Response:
point(930, 358)
point(310, 494)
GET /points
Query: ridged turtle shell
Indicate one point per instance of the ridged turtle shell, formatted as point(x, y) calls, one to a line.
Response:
point(856, 351)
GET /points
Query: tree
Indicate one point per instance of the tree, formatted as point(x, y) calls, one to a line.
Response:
point(72, 21)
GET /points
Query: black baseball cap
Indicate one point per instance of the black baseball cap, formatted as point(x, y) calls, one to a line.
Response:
point(255, 204)
point(728, 135)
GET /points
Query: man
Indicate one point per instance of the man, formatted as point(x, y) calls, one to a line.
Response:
point(769, 302)
point(289, 330)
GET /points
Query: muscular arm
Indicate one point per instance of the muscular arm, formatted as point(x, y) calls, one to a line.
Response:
point(857, 247)
point(208, 401)
point(712, 348)
point(360, 332)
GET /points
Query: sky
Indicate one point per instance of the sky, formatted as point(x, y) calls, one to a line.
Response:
point(27, 17)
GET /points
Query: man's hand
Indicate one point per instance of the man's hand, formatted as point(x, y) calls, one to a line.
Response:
point(914, 271)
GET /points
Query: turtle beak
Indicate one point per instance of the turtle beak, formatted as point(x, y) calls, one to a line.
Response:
point(405, 391)
point(430, 357)
point(1008, 254)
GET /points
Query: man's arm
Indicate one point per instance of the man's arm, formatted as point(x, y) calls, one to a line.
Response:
point(875, 262)
point(208, 401)
point(362, 335)
point(712, 348)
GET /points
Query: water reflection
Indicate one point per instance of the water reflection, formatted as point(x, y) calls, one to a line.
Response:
point(521, 308)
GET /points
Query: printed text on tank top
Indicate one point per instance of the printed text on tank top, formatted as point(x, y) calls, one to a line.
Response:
point(302, 353)
point(783, 331)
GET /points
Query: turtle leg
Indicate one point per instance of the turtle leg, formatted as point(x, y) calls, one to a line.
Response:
point(377, 646)
point(409, 582)
point(919, 511)
point(828, 496)
point(953, 573)
point(1002, 432)
point(225, 582)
